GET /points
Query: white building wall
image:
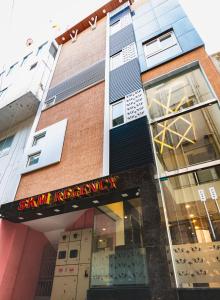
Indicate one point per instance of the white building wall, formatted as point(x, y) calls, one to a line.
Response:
point(12, 163)
point(22, 79)
point(20, 82)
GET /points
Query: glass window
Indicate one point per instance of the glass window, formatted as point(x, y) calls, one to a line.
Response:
point(161, 48)
point(5, 145)
point(25, 59)
point(189, 139)
point(119, 256)
point(118, 114)
point(116, 60)
point(1, 73)
point(115, 27)
point(179, 93)
point(39, 50)
point(33, 66)
point(53, 50)
point(2, 92)
point(38, 138)
point(50, 102)
point(12, 68)
point(192, 204)
point(33, 159)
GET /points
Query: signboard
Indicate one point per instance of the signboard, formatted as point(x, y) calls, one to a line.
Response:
point(202, 195)
point(213, 193)
point(70, 193)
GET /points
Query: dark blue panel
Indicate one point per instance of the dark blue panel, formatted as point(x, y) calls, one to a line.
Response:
point(130, 146)
point(117, 16)
point(168, 14)
point(190, 40)
point(121, 39)
point(124, 80)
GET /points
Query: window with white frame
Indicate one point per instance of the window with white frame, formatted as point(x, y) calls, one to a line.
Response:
point(124, 21)
point(116, 60)
point(2, 92)
point(115, 27)
point(118, 113)
point(127, 54)
point(53, 50)
point(1, 73)
point(128, 109)
point(38, 139)
point(33, 66)
point(50, 102)
point(5, 145)
point(25, 59)
point(12, 68)
point(33, 159)
point(41, 48)
point(157, 50)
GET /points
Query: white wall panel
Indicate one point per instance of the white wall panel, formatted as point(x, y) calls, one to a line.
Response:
point(12, 163)
point(50, 147)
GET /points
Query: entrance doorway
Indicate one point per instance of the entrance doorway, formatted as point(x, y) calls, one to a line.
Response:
point(98, 247)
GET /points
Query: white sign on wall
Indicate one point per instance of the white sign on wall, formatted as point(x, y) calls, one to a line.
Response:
point(213, 193)
point(202, 195)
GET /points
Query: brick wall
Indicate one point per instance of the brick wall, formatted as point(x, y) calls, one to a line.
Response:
point(83, 145)
point(86, 51)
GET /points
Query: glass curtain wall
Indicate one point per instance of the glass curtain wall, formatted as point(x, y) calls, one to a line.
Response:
point(119, 256)
point(193, 211)
point(185, 125)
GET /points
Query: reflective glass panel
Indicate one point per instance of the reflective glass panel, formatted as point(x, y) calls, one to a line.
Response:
point(119, 257)
point(193, 209)
point(118, 114)
point(188, 139)
point(177, 94)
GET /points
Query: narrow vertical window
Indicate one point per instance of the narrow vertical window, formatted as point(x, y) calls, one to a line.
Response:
point(118, 116)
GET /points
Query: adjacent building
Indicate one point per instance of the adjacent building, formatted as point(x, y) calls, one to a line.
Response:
point(23, 84)
point(117, 191)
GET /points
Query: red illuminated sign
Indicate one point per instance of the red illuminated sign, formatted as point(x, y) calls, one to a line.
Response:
point(87, 189)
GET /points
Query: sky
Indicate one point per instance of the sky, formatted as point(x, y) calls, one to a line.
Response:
point(23, 19)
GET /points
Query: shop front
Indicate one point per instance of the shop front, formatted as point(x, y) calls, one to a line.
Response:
point(99, 239)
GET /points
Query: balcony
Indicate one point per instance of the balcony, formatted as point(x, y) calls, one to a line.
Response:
point(22, 97)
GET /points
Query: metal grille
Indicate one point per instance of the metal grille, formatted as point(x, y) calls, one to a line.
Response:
point(129, 52)
point(45, 281)
point(135, 107)
point(76, 83)
point(121, 39)
point(124, 80)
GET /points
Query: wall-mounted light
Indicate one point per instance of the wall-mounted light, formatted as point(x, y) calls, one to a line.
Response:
point(95, 201)
point(124, 195)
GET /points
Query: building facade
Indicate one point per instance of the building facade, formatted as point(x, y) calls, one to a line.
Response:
point(23, 84)
point(118, 195)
